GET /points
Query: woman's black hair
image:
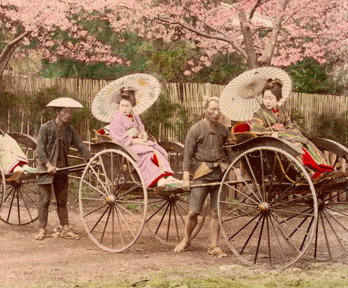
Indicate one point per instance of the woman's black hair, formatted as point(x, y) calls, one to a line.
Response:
point(275, 86)
point(127, 93)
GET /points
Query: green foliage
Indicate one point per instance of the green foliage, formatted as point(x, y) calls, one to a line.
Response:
point(332, 127)
point(224, 68)
point(309, 76)
point(299, 119)
point(38, 113)
point(8, 101)
point(164, 114)
point(128, 49)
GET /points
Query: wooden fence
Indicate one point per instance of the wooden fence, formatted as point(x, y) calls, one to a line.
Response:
point(188, 95)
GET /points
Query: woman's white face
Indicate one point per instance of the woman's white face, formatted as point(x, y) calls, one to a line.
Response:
point(269, 99)
point(125, 107)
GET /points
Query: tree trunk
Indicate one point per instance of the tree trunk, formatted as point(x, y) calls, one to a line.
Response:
point(248, 40)
point(7, 53)
point(269, 50)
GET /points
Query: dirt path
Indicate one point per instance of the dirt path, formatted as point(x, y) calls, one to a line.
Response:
point(27, 261)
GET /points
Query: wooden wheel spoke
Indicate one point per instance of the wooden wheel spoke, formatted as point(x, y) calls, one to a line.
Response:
point(95, 210)
point(285, 235)
point(278, 240)
point(335, 219)
point(242, 228)
point(333, 230)
point(106, 224)
point(124, 220)
point(169, 220)
point(126, 179)
point(26, 206)
point(128, 191)
point(100, 218)
point(242, 193)
point(260, 237)
point(251, 233)
point(100, 181)
point(306, 197)
point(158, 209)
point(249, 188)
point(29, 196)
point(287, 191)
point(255, 180)
point(9, 192)
point(235, 217)
point(94, 188)
point(162, 218)
point(297, 213)
point(287, 222)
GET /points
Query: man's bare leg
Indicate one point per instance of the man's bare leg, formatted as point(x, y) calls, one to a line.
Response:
point(190, 224)
point(214, 249)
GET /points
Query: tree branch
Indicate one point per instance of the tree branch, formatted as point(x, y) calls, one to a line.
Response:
point(269, 50)
point(295, 12)
point(252, 11)
point(8, 51)
point(205, 35)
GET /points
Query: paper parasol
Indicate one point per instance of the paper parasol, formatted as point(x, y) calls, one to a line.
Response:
point(241, 98)
point(64, 102)
point(147, 88)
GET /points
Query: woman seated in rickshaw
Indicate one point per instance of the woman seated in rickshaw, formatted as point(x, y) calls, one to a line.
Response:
point(12, 158)
point(275, 120)
point(126, 127)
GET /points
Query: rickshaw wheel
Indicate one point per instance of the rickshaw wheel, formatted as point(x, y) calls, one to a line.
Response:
point(3, 186)
point(20, 201)
point(168, 209)
point(269, 214)
point(20, 198)
point(112, 200)
point(167, 214)
point(331, 231)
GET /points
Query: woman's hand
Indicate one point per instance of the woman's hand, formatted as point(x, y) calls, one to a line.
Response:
point(278, 126)
point(138, 141)
point(143, 136)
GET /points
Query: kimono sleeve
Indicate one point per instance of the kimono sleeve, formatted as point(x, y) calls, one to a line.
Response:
point(258, 124)
point(118, 131)
point(288, 124)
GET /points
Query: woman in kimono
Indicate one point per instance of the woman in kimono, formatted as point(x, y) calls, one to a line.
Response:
point(127, 128)
point(275, 120)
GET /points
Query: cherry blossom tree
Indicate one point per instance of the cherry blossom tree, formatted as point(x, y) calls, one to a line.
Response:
point(54, 28)
point(263, 32)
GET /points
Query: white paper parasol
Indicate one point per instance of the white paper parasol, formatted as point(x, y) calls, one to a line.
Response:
point(147, 88)
point(241, 98)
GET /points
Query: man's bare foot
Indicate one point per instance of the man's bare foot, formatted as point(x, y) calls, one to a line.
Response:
point(216, 251)
point(41, 234)
point(182, 246)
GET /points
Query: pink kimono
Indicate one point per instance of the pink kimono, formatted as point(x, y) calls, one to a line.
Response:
point(153, 162)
